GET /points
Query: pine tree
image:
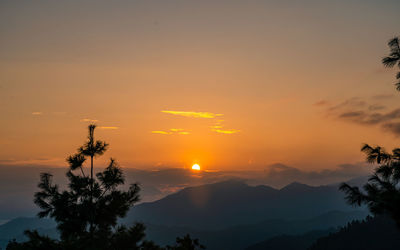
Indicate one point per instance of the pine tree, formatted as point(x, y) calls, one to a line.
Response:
point(382, 191)
point(87, 211)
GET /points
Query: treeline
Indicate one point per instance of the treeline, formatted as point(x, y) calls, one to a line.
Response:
point(373, 233)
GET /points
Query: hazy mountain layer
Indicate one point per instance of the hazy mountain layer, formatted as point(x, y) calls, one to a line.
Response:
point(231, 203)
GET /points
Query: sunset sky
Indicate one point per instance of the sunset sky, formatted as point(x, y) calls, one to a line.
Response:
point(235, 85)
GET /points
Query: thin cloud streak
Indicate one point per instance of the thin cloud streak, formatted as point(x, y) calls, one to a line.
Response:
point(108, 127)
point(229, 132)
point(173, 131)
point(217, 127)
point(161, 132)
point(88, 120)
point(207, 115)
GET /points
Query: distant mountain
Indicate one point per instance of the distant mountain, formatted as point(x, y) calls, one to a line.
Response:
point(291, 242)
point(226, 215)
point(233, 238)
point(15, 229)
point(379, 233)
point(230, 203)
point(242, 236)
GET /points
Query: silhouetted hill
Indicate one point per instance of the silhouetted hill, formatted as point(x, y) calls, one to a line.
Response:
point(16, 227)
point(241, 236)
point(296, 187)
point(378, 233)
point(233, 203)
point(237, 237)
point(291, 242)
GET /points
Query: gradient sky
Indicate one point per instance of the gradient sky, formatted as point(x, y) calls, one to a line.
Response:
point(227, 84)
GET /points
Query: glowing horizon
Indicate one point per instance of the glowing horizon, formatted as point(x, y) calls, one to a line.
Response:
point(232, 85)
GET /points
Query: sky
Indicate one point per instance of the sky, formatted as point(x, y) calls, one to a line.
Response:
point(230, 85)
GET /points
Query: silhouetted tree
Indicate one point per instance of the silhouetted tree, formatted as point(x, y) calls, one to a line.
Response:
point(382, 193)
point(186, 243)
point(87, 212)
point(393, 58)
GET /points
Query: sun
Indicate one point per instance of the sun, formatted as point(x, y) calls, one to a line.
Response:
point(196, 167)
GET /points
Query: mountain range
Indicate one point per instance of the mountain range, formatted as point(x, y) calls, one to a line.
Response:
point(230, 203)
point(226, 215)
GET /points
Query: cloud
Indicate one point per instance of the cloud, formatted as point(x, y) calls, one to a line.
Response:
point(360, 111)
point(161, 132)
point(176, 129)
point(352, 114)
point(37, 113)
point(321, 103)
point(382, 96)
point(108, 127)
point(230, 131)
point(371, 118)
point(88, 120)
point(207, 115)
point(375, 107)
point(393, 127)
point(217, 127)
point(278, 175)
point(172, 131)
point(354, 102)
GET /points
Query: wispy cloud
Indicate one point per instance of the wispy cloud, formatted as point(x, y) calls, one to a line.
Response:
point(207, 115)
point(176, 129)
point(161, 132)
point(230, 131)
point(37, 113)
point(361, 111)
point(108, 127)
point(217, 127)
point(383, 96)
point(321, 103)
point(172, 131)
point(88, 120)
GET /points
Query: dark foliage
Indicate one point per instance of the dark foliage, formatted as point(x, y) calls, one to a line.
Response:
point(87, 212)
point(35, 242)
point(382, 193)
point(378, 233)
point(393, 59)
point(186, 243)
point(291, 242)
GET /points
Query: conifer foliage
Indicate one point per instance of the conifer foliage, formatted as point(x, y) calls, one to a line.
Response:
point(87, 211)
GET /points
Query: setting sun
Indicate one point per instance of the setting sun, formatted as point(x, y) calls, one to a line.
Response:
point(196, 167)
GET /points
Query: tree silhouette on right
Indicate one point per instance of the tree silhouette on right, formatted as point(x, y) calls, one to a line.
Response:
point(382, 191)
point(393, 58)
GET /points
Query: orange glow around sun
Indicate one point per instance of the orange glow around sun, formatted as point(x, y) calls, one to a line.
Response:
point(196, 167)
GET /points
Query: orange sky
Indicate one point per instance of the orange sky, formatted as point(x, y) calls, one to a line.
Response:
point(226, 84)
